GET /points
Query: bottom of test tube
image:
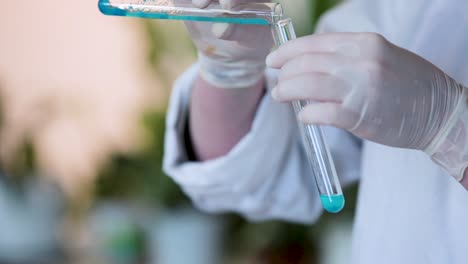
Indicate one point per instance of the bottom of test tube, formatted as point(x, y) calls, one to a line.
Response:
point(333, 203)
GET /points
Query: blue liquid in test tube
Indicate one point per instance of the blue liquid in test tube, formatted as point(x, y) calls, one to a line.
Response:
point(314, 143)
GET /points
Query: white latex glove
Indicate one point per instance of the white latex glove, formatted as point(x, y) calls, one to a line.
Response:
point(231, 56)
point(380, 92)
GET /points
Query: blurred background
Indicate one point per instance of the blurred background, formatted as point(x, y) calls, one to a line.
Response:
point(82, 111)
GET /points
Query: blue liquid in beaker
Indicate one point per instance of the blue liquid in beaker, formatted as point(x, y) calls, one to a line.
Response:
point(333, 203)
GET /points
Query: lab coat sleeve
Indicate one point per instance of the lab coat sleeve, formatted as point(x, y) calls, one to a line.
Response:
point(355, 16)
point(401, 22)
point(266, 175)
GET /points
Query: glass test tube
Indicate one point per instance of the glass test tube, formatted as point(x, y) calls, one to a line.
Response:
point(315, 146)
point(248, 13)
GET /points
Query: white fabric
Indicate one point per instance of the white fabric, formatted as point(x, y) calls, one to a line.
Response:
point(409, 209)
point(450, 151)
point(230, 183)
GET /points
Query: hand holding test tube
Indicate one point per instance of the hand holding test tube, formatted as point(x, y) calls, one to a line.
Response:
point(259, 14)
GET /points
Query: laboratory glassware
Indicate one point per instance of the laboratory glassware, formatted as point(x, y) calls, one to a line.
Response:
point(315, 146)
point(248, 13)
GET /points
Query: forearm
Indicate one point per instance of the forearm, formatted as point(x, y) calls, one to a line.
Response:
point(220, 118)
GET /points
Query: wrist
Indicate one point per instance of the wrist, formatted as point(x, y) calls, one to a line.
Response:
point(220, 118)
point(231, 74)
point(450, 148)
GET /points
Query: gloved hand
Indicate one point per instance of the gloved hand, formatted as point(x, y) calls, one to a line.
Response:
point(230, 56)
point(380, 92)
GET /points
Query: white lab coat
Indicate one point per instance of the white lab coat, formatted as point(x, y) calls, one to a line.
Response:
point(409, 210)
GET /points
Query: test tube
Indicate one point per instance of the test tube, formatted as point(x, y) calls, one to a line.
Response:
point(248, 13)
point(314, 143)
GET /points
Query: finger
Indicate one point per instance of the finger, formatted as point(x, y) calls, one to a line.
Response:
point(222, 30)
point(241, 33)
point(312, 62)
point(328, 114)
point(244, 33)
point(318, 43)
point(197, 30)
point(316, 87)
point(229, 4)
point(201, 3)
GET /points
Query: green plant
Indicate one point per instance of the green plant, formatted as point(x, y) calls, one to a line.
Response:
point(21, 163)
point(139, 176)
point(319, 7)
point(1, 112)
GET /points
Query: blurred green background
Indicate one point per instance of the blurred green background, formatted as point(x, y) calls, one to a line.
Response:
point(106, 201)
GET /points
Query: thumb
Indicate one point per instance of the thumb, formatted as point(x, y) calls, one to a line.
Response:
point(229, 4)
point(222, 30)
point(201, 3)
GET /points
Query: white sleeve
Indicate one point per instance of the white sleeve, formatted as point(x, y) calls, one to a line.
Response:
point(400, 21)
point(353, 16)
point(266, 175)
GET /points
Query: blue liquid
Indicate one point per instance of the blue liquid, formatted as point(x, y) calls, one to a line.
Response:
point(332, 203)
point(107, 9)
